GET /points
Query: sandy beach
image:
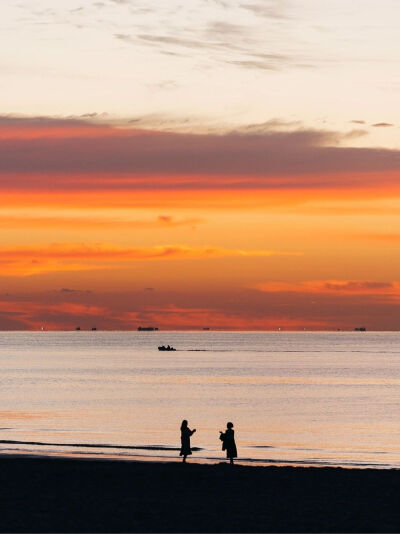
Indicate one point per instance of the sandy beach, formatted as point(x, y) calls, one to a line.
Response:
point(40, 494)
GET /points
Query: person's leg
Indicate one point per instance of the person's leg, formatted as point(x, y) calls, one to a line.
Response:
point(184, 458)
point(231, 462)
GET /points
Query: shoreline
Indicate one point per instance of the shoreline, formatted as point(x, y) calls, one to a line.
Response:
point(59, 494)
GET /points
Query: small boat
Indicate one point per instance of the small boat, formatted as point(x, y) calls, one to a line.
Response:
point(166, 348)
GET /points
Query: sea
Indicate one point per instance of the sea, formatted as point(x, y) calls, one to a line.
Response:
point(295, 398)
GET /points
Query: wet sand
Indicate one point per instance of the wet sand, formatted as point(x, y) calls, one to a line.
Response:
point(84, 495)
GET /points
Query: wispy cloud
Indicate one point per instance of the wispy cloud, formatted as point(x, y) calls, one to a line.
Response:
point(218, 39)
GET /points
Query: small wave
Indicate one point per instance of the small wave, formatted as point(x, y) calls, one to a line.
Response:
point(315, 462)
point(199, 350)
point(97, 445)
point(261, 447)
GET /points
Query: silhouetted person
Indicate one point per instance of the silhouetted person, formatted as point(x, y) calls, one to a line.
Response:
point(185, 440)
point(228, 439)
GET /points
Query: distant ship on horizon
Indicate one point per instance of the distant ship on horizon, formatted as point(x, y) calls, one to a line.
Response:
point(147, 328)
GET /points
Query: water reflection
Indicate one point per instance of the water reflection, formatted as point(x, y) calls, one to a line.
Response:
point(314, 397)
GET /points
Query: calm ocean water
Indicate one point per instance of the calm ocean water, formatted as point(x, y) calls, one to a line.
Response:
point(294, 398)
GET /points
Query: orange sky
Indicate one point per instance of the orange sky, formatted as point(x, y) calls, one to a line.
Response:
point(107, 226)
point(221, 164)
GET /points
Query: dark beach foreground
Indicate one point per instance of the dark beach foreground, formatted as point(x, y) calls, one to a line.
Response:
point(79, 495)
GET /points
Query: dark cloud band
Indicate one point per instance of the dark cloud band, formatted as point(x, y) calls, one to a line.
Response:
point(93, 156)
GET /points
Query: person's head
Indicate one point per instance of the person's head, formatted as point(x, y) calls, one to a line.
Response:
point(229, 425)
point(184, 424)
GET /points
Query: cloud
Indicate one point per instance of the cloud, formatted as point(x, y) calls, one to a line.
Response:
point(356, 121)
point(383, 125)
point(209, 41)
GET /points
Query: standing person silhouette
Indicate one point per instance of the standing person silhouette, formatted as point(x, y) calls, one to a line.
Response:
point(185, 440)
point(228, 439)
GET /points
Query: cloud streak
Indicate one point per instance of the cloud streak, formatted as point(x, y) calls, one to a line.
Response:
point(85, 222)
point(271, 10)
point(66, 257)
point(382, 125)
point(334, 287)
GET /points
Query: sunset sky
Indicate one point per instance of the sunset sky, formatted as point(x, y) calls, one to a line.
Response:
point(232, 164)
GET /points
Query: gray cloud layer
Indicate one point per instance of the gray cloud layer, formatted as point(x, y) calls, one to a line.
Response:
point(131, 159)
